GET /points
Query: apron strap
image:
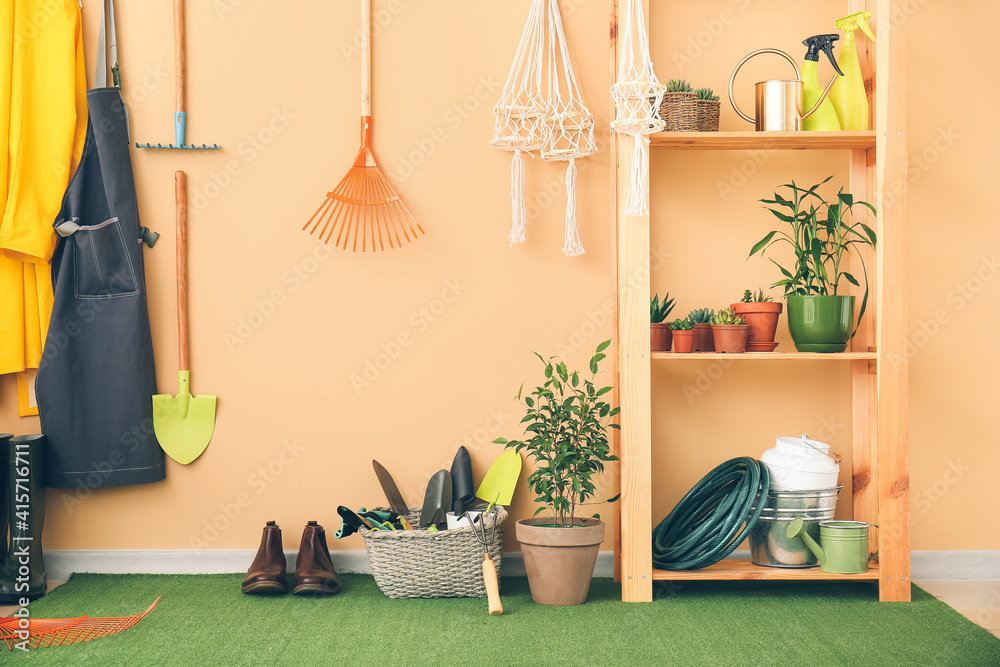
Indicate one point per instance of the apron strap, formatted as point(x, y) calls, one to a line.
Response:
point(101, 78)
point(66, 228)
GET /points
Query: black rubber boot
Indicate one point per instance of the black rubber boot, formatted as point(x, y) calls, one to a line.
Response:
point(4, 538)
point(24, 566)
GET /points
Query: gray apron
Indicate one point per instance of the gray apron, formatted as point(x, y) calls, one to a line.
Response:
point(96, 378)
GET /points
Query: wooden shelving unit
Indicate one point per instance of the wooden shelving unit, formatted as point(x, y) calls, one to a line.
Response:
point(766, 356)
point(736, 569)
point(748, 141)
point(879, 398)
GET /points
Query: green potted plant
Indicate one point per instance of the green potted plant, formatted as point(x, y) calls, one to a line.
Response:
point(702, 318)
point(729, 331)
point(659, 331)
point(761, 314)
point(683, 334)
point(567, 422)
point(822, 235)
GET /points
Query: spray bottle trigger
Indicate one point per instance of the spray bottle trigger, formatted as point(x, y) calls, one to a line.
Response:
point(828, 50)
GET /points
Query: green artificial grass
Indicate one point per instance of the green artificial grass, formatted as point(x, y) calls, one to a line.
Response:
point(205, 620)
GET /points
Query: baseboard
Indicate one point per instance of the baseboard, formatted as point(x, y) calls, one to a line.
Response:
point(925, 565)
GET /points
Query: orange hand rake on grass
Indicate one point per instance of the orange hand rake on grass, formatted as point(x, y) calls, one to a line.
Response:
point(59, 631)
point(364, 204)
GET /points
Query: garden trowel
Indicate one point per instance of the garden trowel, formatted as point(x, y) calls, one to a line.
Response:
point(497, 487)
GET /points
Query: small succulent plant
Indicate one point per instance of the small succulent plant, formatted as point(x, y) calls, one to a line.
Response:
point(726, 316)
point(759, 297)
point(678, 86)
point(659, 310)
point(701, 316)
point(681, 325)
point(706, 94)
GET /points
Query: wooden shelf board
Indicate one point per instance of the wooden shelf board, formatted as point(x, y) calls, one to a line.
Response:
point(742, 141)
point(742, 569)
point(768, 356)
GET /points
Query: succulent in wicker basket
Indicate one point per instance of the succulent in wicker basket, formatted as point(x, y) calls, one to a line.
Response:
point(678, 109)
point(707, 110)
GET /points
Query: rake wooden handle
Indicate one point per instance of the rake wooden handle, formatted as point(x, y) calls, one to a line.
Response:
point(180, 60)
point(180, 195)
point(366, 58)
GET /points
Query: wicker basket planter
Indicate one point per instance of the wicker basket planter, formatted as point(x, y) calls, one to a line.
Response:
point(679, 112)
point(707, 115)
point(423, 564)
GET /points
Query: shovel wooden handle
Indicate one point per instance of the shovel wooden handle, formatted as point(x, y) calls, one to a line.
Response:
point(180, 60)
point(180, 194)
point(492, 587)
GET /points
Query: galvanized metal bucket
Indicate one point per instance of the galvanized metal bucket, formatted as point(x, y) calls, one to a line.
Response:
point(770, 547)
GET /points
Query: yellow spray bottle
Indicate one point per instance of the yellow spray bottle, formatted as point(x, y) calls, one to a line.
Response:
point(848, 94)
point(824, 118)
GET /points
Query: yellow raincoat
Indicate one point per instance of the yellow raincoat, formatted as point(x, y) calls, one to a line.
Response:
point(43, 124)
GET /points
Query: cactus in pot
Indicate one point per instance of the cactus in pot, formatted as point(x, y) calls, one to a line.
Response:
point(683, 335)
point(702, 318)
point(729, 331)
point(761, 313)
point(659, 332)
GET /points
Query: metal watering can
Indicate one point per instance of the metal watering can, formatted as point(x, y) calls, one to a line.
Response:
point(777, 103)
point(844, 547)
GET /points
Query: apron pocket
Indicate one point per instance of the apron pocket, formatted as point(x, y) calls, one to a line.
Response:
point(103, 265)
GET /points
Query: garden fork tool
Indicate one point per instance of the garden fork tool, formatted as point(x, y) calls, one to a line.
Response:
point(489, 568)
point(180, 64)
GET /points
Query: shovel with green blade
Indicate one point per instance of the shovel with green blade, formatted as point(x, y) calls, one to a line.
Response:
point(183, 424)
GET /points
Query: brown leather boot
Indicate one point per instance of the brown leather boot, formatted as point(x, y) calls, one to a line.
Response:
point(314, 572)
point(267, 572)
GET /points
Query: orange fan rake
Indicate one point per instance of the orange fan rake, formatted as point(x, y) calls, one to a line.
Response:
point(364, 206)
point(59, 631)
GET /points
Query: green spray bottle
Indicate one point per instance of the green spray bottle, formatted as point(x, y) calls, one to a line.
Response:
point(848, 94)
point(825, 117)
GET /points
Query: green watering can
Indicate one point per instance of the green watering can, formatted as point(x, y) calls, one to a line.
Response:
point(844, 547)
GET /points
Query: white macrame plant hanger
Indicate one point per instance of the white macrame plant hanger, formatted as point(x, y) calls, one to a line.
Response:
point(520, 111)
point(569, 125)
point(561, 125)
point(637, 94)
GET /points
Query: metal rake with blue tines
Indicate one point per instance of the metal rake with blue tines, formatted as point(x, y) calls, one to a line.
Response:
point(180, 63)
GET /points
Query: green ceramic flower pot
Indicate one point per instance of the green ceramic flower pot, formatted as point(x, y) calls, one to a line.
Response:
point(820, 323)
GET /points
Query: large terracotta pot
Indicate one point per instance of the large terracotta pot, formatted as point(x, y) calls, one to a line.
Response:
point(559, 561)
point(730, 338)
point(659, 337)
point(762, 316)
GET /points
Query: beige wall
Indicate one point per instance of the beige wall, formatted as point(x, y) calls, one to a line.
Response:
point(279, 90)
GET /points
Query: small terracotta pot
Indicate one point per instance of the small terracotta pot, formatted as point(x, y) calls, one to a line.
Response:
point(762, 317)
point(730, 338)
point(703, 340)
point(659, 337)
point(684, 340)
point(559, 561)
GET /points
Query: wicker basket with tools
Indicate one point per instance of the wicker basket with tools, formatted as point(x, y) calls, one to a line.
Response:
point(434, 564)
point(678, 109)
point(707, 109)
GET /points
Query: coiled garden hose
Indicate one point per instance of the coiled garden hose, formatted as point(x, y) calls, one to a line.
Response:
point(713, 518)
